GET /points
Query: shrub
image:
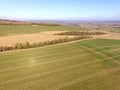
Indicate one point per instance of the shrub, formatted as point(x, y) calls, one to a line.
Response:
point(19, 46)
point(27, 45)
point(6, 49)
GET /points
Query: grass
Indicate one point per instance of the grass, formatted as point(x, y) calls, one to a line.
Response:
point(6, 30)
point(85, 65)
point(113, 29)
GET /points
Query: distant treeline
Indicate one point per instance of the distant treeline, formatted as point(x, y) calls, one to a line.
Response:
point(45, 24)
point(41, 44)
point(81, 33)
point(13, 23)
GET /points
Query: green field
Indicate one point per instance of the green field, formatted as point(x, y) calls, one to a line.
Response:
point(6, 30)
point(86, 65)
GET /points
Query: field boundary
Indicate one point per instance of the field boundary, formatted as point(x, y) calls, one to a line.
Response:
point(61, 53)
point(46, 46)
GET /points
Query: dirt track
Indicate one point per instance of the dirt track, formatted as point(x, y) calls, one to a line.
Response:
point(110, 36)
point(44, 36)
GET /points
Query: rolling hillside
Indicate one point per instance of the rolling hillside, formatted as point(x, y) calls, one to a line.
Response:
point(86, 65)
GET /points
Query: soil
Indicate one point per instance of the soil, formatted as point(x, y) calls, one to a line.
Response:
point(38, 37)
point(45, 36)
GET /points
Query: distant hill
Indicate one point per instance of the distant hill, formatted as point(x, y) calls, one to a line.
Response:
point(14, 22)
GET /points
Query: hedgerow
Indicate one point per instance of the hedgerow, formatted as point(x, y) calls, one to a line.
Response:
point(28, 45)
point(81, 33)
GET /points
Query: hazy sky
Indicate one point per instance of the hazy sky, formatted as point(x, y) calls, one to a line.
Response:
point(60, 9)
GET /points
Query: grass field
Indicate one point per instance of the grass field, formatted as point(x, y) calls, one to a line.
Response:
point(112, 29)
point(86, 65)
point(6, 30)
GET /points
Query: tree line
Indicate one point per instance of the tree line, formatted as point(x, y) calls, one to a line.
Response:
point(81, 33)
point(28, 45)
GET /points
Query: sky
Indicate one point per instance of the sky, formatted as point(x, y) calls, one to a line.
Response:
point(60, 9)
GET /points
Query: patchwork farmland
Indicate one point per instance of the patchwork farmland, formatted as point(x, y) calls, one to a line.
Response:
point(92, 64)
point(60, 45)
point(85, 65)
